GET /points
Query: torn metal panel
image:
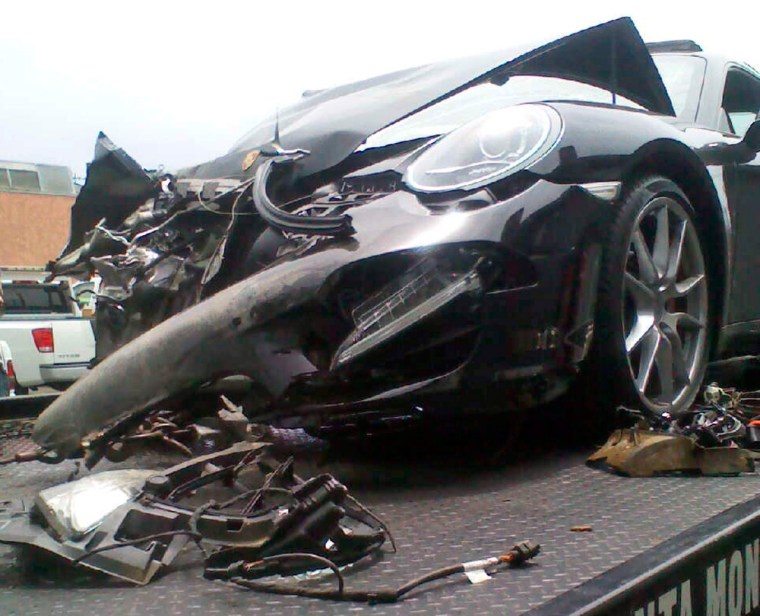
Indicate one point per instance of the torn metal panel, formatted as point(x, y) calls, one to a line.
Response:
point(116, 185)
point(283, 326)
point(219, 337)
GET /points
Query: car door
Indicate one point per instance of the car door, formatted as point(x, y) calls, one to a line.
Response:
point(741, 104)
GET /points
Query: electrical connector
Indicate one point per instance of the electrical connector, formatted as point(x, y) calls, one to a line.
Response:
point(520, 554)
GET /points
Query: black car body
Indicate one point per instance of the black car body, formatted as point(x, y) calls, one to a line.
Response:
point(352, 263)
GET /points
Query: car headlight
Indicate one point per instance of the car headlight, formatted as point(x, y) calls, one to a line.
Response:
point(428, 286)
point(74, 509)
point(487, 149)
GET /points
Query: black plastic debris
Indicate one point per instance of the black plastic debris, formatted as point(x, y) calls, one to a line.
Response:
point(233, 504)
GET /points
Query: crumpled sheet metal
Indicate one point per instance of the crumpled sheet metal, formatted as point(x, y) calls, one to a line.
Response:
point(224, 335)
point(644, 453)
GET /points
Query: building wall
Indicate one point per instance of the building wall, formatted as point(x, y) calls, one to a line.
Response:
point(33, 228)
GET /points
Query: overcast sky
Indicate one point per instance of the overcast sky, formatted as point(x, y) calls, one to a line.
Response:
point(176, 83)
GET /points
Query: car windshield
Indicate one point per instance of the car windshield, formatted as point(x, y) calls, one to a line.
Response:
point(682, 76)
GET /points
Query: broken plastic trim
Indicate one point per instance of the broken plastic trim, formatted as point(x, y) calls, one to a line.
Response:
point(281, 514)
point(292, 223)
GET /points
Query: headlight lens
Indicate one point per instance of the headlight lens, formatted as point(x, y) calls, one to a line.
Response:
point(421, 291)
point(487, 149)
point(74, 509)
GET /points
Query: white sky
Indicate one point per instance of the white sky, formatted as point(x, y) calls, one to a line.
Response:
point(176, 83)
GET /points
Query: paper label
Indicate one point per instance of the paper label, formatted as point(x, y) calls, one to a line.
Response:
point(477, 576)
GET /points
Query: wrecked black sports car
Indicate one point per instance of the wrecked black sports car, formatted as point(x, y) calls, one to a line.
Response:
point(461, 237)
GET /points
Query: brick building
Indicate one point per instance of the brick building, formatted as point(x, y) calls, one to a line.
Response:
point(35, 206)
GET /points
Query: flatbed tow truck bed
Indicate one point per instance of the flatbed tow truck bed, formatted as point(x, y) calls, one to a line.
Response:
point(669, 545)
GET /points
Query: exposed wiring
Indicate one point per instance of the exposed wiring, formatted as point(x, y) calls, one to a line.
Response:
point(240, 573)
point(243, 188)
point(36, 455)
point(270, 478)
point(251, 493)
point(375, 517)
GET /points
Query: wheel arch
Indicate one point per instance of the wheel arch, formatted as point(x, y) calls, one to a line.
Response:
point(680, 164)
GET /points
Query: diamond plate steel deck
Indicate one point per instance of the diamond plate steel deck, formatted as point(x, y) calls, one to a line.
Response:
point(441, 512)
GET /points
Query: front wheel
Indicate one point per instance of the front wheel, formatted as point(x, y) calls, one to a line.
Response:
point(653, 308)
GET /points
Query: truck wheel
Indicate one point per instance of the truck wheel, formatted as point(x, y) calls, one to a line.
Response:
point(653, 310)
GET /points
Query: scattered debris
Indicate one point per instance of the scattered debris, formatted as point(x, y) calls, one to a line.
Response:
point(237, 504)
point(643, 453)
point(16, 444)
point(581, 529)
point(129, 524)
point(711, 439)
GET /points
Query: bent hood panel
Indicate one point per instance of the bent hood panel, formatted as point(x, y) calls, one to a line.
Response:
point(333, 123)
point(116, 185)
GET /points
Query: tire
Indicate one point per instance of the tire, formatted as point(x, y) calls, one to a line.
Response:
point(652, 334)
point(5, 384)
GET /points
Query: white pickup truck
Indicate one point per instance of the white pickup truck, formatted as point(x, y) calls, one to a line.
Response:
point(51, 343)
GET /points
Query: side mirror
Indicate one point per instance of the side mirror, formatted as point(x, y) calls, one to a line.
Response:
point(726, 154)
point(752, 136)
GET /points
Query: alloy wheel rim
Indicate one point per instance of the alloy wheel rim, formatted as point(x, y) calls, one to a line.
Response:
point(665, 304)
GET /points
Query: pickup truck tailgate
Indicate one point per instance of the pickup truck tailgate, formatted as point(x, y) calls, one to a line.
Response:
point(74, 342)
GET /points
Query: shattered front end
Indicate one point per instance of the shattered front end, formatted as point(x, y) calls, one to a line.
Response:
point(416, 254)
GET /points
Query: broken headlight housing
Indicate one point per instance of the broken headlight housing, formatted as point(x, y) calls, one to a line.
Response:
point(487, 149)
point(74, 509)
point(435, 281)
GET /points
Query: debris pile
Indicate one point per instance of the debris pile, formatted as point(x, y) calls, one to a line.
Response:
point(256, 523)
point(719, 437)
point(238, 504)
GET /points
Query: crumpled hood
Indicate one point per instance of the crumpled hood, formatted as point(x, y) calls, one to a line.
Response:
point(331, 124)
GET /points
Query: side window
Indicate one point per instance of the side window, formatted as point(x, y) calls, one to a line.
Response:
point(20, 180)
point(741, 100)
point(27, 181)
